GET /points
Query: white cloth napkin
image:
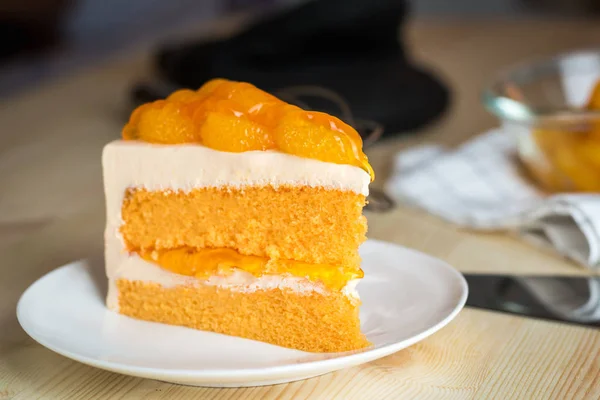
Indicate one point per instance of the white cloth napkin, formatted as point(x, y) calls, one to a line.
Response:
point(479, 186)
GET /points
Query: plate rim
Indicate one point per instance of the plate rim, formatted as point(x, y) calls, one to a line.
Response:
point(353, 358)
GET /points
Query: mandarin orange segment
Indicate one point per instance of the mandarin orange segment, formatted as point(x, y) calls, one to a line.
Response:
point(270, 115)
point(297, 134)
point(166, 124)
point(236, 116)
point(249, 97)
point(336, 125)
point(183, 96)
point(210, 86)
point(227, 132)
point(131, 129)
point(257, 105)
point(215, 105)
point(319, 136)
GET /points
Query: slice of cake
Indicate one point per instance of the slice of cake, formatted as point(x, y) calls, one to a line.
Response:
point(231, 211)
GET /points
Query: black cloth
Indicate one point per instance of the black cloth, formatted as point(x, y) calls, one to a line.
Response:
point(348, 46)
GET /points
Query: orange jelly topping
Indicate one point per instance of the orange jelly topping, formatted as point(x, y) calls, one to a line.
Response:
point(203, 263)
point(237, 117)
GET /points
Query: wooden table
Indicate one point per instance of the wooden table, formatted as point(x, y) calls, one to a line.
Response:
point(51, 212)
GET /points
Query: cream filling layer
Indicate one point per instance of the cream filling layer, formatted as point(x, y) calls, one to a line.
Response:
point(134, 268)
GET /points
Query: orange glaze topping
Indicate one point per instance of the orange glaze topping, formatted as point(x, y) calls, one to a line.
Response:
point(203, 263)
point(237, 117)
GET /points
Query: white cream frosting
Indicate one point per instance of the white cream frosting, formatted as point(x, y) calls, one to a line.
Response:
point(133, 164)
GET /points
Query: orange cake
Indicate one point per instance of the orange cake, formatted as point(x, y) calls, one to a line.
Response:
point(231, 211)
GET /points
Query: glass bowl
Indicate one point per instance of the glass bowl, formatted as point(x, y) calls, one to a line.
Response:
point(548, 106)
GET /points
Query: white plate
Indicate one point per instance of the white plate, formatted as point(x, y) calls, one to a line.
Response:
point(406, 297)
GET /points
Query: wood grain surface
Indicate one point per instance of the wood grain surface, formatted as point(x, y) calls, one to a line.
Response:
point(51, 212)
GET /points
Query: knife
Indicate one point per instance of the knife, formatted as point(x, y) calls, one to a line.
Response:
point(574, 300)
